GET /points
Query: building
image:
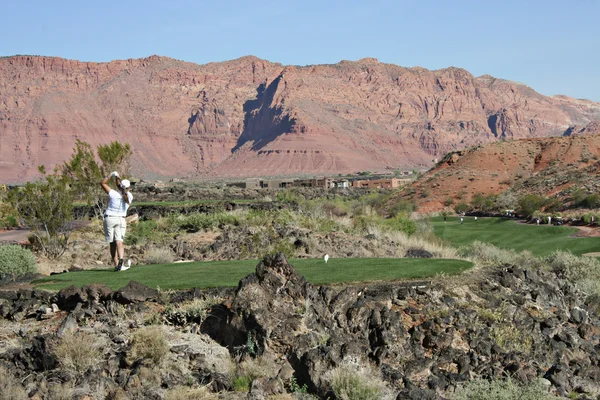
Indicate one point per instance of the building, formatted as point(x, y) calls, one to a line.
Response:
point(386, 183)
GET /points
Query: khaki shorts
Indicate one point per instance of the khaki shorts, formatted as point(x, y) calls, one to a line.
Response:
point(114, 228)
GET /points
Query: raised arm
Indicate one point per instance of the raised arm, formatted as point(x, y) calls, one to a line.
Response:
point(104, 184)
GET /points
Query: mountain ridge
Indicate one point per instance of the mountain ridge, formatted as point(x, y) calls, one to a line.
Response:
point(252, 117)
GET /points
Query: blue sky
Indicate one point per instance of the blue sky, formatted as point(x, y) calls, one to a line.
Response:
point(552, 46)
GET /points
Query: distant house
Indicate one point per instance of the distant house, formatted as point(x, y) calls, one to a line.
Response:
point(387, 183)
point(319, 182)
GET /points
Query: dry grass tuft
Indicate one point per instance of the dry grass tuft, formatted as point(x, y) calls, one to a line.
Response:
point(149, 344)
point(158, 255)
point(10, 387)
point(78, 352)
point(187, 393)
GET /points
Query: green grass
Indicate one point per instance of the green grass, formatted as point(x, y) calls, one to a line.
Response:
point(506, 233)
point(228, 273)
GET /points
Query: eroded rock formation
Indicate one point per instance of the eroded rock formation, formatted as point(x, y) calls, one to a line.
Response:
point(250, 117)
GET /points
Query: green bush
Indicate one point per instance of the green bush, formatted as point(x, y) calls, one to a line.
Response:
point(16, 261)
point(405, 207)
point(140, 232)
point(591, 201)
point(501, 390)
point(461, 207)
point(402, 224)
point(530, 203)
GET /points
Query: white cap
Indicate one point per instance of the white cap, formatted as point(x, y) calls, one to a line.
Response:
point(125, 183)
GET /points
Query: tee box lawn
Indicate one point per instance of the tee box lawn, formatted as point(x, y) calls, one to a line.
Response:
point(228, 273)
point(506, 233)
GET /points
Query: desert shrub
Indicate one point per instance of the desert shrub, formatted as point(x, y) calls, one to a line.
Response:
point(335, 209)
point(501, 390)
point(141, 232)
point(46, 207)
point(583, 271)
point(477, 201)
point(487, 254)
point(289, 196)
point(530, 203)
point(461, 207)
point(60, 392)
point(149, 344)
point(194, 311)
point(507, 201)
point(350, 384)
point(589, 218)
point(186, 393)
point(158, 255)
point(250, 369)
point(78, 352)
point(448, 201)
point(405, 207)
point(591, 201)
point(8, 216)
point(10, 387)
point(402, 224)
point(16, 261)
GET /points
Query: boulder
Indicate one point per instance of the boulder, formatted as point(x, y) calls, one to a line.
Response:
point(135, 292)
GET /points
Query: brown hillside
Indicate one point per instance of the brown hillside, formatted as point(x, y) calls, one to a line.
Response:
point(544, 166)
point(250, 117)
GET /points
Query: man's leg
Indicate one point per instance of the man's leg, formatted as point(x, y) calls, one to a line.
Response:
point(113, 252)
point(120, 249)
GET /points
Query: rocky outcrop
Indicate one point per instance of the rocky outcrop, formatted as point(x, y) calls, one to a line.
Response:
point(423, 338)
point(544, 166)
point(250, 117)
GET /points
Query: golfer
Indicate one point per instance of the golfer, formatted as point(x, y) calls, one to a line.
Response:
point(114, 218)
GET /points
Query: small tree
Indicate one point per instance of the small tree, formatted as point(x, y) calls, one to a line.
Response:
point(461, 207)
point(47, 210)
point(478, 201)
point(530, 203)
point(115, 156)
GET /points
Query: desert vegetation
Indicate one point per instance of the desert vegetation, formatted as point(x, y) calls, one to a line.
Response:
point(407, 306)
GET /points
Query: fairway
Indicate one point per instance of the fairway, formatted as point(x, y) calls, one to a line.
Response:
point(228, 273)
point(541, 240)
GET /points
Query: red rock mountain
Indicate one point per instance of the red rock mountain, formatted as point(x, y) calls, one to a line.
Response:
point(250, 117)
point(544, 166)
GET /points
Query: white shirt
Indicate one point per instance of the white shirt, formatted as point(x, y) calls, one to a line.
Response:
point(117, 206)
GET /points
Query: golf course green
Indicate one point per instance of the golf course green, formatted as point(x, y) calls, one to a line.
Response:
point(541, 240)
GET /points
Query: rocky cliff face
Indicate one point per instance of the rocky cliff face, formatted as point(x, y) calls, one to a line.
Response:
point(250, 117)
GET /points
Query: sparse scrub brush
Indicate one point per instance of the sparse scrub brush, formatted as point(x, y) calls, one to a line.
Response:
point(10, 387)
point(186, 393)
point(583, 271)
point(488, 254)
point(78, 352)
point(501, 390)
point(16, 261)
point(158, 255)
point(354, 383)
point(149, 343)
